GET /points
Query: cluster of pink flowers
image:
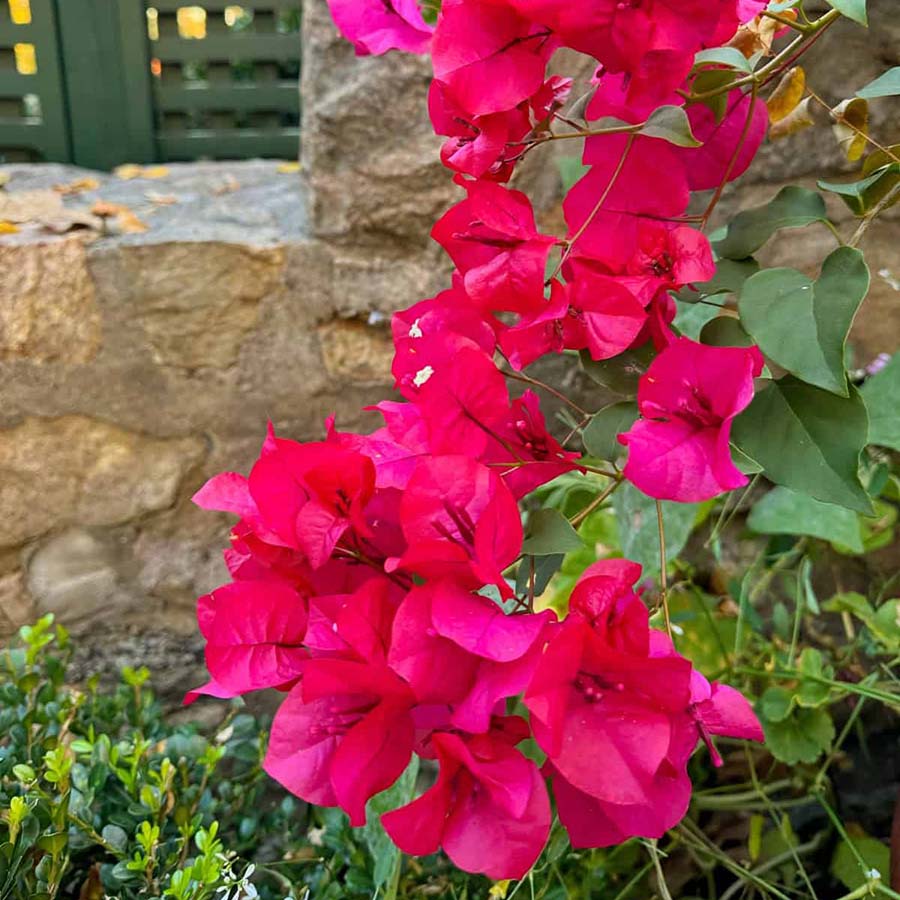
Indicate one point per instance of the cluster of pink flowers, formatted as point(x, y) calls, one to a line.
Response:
point(360, 562)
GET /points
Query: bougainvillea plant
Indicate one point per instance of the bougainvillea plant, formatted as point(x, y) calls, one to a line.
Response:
point(386, 582)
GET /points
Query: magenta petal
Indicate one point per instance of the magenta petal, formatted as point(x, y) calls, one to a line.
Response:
point(628, 740)
point(210, 689)
point(481, 627)
point(480, 837)
point(254, 632)
point(228, 492)
point(299, 754)
point(728, 713)
point(418, 827)
point(370, 758)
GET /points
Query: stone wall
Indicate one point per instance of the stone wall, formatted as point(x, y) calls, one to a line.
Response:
point(136, 363)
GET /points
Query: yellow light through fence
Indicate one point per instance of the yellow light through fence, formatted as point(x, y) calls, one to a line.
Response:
point(152, 23)
point(26, 59)
point(233, 14)
point(20, 11)
point(192, 22)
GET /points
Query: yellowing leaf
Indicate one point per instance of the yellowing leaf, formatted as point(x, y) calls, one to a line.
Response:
point(128, 171)
point(877, 159)
point(499, 890)
point(851, 126)
point(77, 187)
point(126, 220)
point(787, 95)
point(288, 168)
point(800, 118)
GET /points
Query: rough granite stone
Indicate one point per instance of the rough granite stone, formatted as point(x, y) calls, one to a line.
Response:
point(49, 309)
point(73, 469)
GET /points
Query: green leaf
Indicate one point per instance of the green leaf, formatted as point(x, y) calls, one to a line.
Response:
point(545, 567)
point(550, 533)
point(783, 511)
point(691, 318)
point(115, 836)
point(670, 123)
point(808, 440)
point(792, 207)
point(725, 331)
point(803, 325)
point(600, 434)
point(852, 9)
point(887, 85)
point(729, 278)
point(54, 843)
point(881, 394)
point(24, 773)
point(803, 736)
point(864, 194)
point(776, 704)
point(621, 373)
point(723, 56)
point(812, 692)
point(713, 81)
point(850, 602)
point(639, 530)
point(571, 169)
point(384, 852)
point(845, 864)
point(886, 622)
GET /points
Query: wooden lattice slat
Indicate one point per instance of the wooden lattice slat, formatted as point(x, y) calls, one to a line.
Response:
point(232, 92)
point(23, 134)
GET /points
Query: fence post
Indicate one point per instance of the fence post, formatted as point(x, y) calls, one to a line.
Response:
point(107, 71)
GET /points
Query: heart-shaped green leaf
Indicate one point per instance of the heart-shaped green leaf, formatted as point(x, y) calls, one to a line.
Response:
point(862, 195)
point(670, 123)
point(809, 440)
point(792, 207)
point(803, 325)
point(852, 9)
point(887, 85)
point(549, 533)
point(600, 435)
point(783, 511)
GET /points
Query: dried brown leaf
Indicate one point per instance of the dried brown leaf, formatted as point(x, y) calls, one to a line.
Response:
point(79, 186)
point(758, 35)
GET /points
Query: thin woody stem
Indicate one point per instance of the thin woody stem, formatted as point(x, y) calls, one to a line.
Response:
point(887, 200)
point(595, 504)
point(527, 379)
point(844, 121)
point(587, 222)
point(663, 575)
point(732, 162)
point(787, 56)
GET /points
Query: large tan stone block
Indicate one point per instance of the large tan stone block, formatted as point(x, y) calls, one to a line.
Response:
point(197, 302)
point(56, 472)
point(49, 309)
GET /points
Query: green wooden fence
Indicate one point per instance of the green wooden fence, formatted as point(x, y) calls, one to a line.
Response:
point(103, 82)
